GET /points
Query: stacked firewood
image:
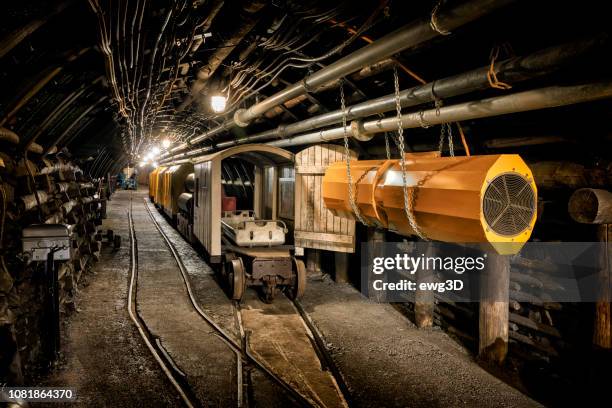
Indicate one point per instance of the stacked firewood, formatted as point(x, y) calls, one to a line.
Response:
point(36, 191)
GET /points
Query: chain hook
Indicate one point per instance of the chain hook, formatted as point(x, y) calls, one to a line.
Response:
point(409, 194)
point(347, 156)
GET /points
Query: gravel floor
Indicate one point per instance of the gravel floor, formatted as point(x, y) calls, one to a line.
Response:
point(105, 359)
point(208, 363)
point(384, 359)
point(387, 362)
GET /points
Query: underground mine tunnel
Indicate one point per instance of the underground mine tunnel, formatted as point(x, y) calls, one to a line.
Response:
point(249, 203)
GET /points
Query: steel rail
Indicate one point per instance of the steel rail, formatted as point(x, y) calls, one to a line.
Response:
point(239, 349)
point(323, 351)
point(138, 321)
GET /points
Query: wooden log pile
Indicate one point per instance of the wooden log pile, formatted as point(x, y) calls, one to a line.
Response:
point(34, 191)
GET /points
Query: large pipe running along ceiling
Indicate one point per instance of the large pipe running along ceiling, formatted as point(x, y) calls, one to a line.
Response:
point(510, 71)
point(404, 38)
point(550, 97)
point(131, 74)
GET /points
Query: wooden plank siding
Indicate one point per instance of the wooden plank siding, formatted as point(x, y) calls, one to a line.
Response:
point(315, 226)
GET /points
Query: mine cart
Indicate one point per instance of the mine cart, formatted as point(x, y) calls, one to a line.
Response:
point(243, 217)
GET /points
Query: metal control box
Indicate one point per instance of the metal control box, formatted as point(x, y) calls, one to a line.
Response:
point(40, 239)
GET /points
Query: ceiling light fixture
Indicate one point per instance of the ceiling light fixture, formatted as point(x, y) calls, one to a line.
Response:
point(217, 103)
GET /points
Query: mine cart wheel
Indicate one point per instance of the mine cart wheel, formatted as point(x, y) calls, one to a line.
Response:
point(117, 242)
point(236, 278)
point(110, 235)
point(297, 289)
point(226, 267)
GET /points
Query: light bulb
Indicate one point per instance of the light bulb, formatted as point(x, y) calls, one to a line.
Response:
point(143, 163)
point(217, 103)
point(155, 150)
point(155, 164)
point(166, 143)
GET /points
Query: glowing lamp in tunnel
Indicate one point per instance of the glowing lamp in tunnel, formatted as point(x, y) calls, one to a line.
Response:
point(142, 164)
point(155, 151)
point(166, 143)
point(155, 165)
point(217, 103)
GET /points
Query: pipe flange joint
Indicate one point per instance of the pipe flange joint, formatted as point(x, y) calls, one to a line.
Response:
point(237, 120)
point(281, 131)
point(358, 132)
point(306, 86)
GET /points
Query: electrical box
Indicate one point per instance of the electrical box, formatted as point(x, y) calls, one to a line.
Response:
point(40, 239)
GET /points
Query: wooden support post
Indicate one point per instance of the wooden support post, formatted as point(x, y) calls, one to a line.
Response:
point(602, 330)
point(313, 262)
point(494, 312)
point(594, 206)
point(376, 237)
point(341, 260)
point(424, 299)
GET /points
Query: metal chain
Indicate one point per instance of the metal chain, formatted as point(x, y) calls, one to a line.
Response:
point(409, 197)
point(442, 137)
point(451, 146)
point(347, 156)
point(443, 128)
point(387, 149)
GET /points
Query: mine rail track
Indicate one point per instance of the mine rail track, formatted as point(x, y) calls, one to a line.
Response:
point(169, 368)
point(322, 351)
point(240, 349)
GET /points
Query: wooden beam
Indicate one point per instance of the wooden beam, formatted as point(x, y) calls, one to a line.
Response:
point(424, 299)
point(376, 239)
point(602, 330)
point(15, 37)
point(313, 262)
point(591, 206)
point(341, 260)
point(325, 237)
point(494, 309)
point(594, 206)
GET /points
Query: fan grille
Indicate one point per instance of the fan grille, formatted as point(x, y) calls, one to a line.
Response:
point(509, 204)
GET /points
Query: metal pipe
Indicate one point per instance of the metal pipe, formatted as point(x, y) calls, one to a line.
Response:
point(206, 135)
point(397, 41)
point(248, 20)
point(406, 37)
point(549, 97)
point(509, 71)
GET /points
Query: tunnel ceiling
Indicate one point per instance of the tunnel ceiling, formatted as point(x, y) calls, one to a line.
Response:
point(114, 77)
